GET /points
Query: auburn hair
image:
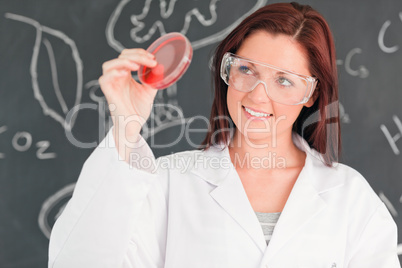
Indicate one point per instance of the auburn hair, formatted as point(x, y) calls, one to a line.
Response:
point(319, 124)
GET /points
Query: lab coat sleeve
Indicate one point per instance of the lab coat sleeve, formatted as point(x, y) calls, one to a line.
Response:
point(377, 245)
point(117, 215)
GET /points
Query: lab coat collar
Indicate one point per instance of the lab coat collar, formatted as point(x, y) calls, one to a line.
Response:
point(303, 204)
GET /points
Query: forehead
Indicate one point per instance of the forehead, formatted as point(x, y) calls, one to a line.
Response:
point(279, 50)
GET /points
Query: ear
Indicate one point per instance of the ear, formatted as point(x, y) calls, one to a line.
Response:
point(310, 102)
point(313, 98)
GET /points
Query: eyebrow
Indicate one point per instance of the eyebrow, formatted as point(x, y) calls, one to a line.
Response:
point(277, 72)
point(293, 72)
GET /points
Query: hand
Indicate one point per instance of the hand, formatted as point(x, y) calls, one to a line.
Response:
point(130, 102)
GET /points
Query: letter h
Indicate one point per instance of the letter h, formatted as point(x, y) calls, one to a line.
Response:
point(392, 140)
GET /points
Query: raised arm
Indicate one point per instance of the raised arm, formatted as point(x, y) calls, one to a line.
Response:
point(117, 214)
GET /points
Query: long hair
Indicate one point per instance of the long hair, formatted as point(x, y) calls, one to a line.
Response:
point(319, 125)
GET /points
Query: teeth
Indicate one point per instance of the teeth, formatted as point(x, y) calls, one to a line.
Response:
point(256, 113)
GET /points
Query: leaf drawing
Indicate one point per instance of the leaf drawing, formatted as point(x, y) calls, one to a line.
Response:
point(166, 11)
point(41, 30)
point(53, 207)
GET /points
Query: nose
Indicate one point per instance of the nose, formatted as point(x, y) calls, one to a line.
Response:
point(259, 93)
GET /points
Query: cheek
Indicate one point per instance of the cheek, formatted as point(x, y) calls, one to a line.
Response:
point(233, 102)
point(286, 115)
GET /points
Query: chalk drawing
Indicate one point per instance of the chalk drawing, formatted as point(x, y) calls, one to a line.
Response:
point(166, 12)
point(393, 139)
point(40, 29)
point(158, 25)
point(105, 122)
point(388, 204)
point(45, 223)
point(165, 114)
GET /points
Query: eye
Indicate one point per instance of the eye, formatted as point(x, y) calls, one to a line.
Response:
point(283, 81)
point(245, 70)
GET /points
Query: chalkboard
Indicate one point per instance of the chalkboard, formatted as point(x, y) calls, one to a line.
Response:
point(53, 113)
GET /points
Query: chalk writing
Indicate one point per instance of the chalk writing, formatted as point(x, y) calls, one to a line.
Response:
point(393, 139)
point(361, 71)
point(42, 147)
point(381, 36)
point(22, 136)
point(22, 142)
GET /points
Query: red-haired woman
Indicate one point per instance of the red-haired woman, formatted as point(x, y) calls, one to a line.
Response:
point(266, 189)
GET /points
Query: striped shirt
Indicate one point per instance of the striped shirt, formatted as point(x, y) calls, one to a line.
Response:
point(268, 222)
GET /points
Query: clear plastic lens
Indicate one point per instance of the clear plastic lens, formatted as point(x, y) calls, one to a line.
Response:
point(281, 86)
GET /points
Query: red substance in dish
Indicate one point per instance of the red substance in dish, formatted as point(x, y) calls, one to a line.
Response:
point(172, 63)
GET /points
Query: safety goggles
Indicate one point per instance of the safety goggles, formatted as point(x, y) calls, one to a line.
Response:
point(281, 86)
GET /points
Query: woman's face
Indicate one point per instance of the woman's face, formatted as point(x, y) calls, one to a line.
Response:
point(283, 52)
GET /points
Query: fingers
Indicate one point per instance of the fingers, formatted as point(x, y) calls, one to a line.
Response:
point(130, 60)
point(139, 51)
point(111, 76)
point(139, 58)
point(139, 55)
point(119, 64)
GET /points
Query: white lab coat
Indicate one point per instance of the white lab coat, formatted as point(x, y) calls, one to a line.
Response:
point(200, 217)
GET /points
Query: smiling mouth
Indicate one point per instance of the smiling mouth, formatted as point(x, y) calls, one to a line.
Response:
point(257, 114)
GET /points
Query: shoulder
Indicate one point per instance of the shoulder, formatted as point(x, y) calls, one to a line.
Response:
point(212, 165)
point(181, 156)
point(345, 182)
point(180, 161)
point(354, 179)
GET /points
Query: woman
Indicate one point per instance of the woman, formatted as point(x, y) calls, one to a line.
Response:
point(273, 75)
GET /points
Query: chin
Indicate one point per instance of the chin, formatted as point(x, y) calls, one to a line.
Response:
point(258, 138)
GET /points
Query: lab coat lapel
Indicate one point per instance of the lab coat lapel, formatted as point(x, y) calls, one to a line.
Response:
point(304, 201)
point(230, 194)
point(233, 199)
point(302, 205)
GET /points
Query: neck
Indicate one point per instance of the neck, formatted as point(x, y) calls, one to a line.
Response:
point(261, 155)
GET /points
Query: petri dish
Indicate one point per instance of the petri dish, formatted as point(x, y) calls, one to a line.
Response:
point(173, 52)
